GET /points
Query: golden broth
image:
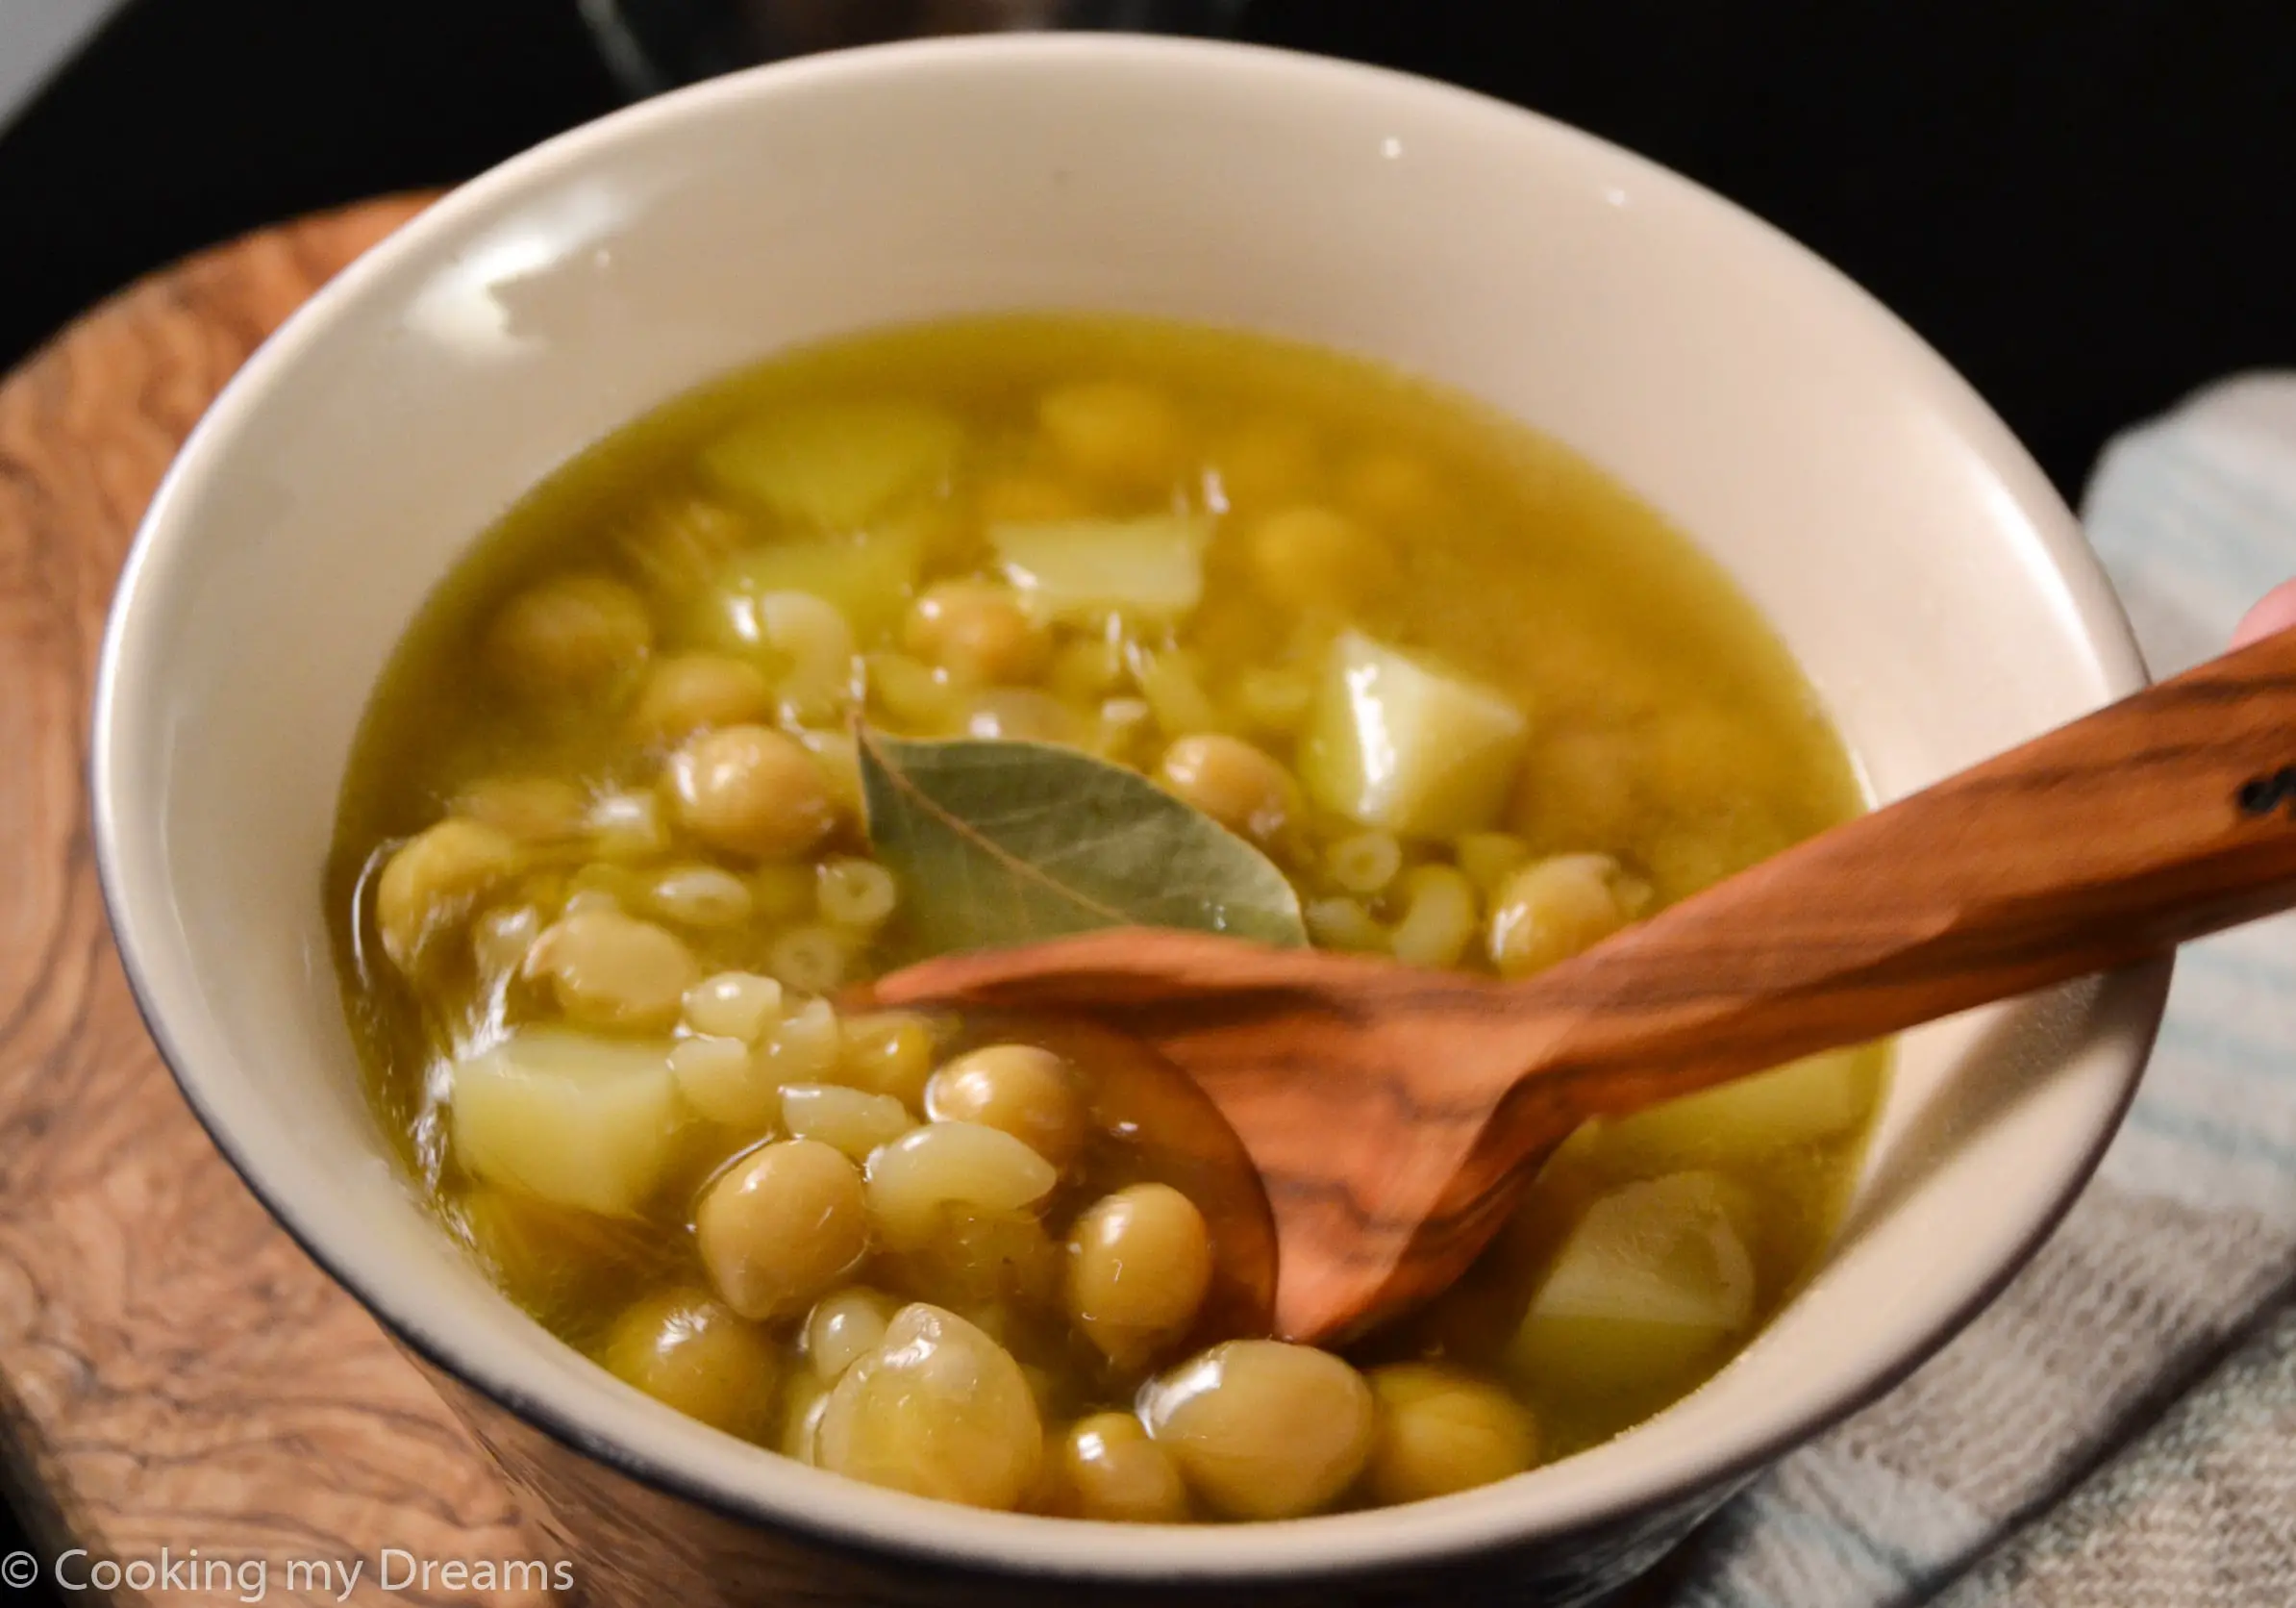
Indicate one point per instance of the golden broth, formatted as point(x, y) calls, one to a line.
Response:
point(1651, 736)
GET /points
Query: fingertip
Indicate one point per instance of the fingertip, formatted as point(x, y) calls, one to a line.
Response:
point(2276, 613)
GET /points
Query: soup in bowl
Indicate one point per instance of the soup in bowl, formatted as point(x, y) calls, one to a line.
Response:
point(1459, 536)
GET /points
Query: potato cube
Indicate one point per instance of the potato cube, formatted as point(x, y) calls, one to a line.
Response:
point(573, 1119)
point(1398, 745)
point(1083, 570)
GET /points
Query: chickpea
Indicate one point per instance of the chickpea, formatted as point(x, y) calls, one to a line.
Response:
point(532, 809)
point(1109, 1468)
point(612, 970)
point(1313, 558)
point(848, 1120)
point(568, 635)
point(979, 632)
point(938, 1410)
point(811, 960)
point(1139, 1262)
point(628, 826)
point(431, 884)
point(781, 1227)
point(694, 692)
point(1441, 1431)
point(857, 893)
point(845, 1326)
point(991, 1265)
point(1119, 434)
point(1024, 714)
point(1028, 1092)
point(1234, 783)
point(918, 1177)
point(721, 1079)
point(812, 635)
point(1265, 461)
point(912, 696)
point(1438, 918)
point(1089, 668)
point(806, 1046)
point(749, 790)
point(1261, 1429)
point(734, 1005)
point(890, 1053)
point(700, 896)
point(1553, 909)
point(808, 1398)
point(686, 1350)
point(1364, 861)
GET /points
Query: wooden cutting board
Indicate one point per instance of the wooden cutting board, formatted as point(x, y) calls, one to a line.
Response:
point(174, 1373)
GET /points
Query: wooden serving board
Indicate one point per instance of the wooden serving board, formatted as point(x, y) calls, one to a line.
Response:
point(174, 1373)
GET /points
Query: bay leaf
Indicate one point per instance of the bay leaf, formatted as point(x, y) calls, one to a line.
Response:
point(1000, 842)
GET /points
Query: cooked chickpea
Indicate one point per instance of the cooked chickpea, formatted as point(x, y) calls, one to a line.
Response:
point(628, 826)
point(686, 1350)
point(811, 636)
point(917, 1178)
point(808, 1395)
point(937, 1409)
point(813, 959)
point(1109, 1468)
point(1027, 1091)
point(912, 696)
point(1265, 461)
point(1234, 783)
point(431, 884)
point(1139, 1262)
point(806, 1046)
point(1441, 1431)
point(567, 634)
point(1438, 916)
point(890, 1053)
point(723, 1080)
point(1089, 668)
point(749, 790)
point(532, 809)
point(856, 893)
point(700, 896)
point(608, 970)
point(1364, 861)
point(1112, 431)
point(693, 692)
point(1025, 714)
point(1553, 909)
point(780, 1227)
point(845, 1326)
point(734, 1005)
point(499, 939)
point(848, 1120)
point(1261, 1429)
point(979, 632)
point(1313, 558)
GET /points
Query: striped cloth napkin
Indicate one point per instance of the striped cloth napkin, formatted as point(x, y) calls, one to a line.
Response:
point(2120, 1428)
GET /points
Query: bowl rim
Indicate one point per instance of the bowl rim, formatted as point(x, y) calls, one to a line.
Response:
point(849, 1517)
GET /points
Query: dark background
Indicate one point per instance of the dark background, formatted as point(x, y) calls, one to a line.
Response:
point(2089, 206)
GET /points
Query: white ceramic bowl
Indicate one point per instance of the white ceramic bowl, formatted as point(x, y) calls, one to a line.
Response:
point(1938, 592)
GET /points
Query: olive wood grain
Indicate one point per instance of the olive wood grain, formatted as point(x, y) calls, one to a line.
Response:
point(1393, 1112)
point(173, 1373)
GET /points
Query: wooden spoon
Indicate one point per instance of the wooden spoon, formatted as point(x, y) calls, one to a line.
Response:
point(1394, 1113)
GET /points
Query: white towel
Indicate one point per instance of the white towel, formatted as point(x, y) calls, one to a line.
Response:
point(2087, 1443)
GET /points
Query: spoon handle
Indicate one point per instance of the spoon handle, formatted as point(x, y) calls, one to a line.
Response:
point(2163, 818)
